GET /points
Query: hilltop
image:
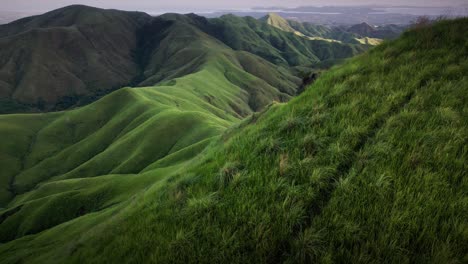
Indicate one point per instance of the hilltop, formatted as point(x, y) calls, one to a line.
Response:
point(367, 165)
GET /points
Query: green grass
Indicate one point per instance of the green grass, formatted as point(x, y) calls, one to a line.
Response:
point(276, 45)
point(367, 165)
point(129, 132)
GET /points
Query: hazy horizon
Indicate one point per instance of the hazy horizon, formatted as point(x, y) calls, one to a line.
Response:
point(187, 5)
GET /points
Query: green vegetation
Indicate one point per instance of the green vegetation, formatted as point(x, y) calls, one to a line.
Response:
point(63, 54)
point(57, 60)
point(357, 34)
point(309, 31)
point(276, 45)
point(323, 31)
point(367, 165)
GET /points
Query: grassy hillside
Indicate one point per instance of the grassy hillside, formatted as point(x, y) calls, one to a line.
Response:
point(367, 165)
point(96, 139)
point(311, 31)
point(277, 21)
point(59, 57)
point(134, 130)
point(276, 45)
point(56, 61)
point(323, 31)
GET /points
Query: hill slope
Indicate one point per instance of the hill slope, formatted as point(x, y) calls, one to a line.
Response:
point(277, 21)
point(367, 165)
point(48, 59)
point(301, 29)
point(56, 61)
point(79, 142)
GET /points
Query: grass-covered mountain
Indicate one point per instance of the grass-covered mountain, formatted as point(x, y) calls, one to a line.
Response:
point(47, 60)
point(357, 34)
point(367, 165)
point(74, 55)
point(310, 31)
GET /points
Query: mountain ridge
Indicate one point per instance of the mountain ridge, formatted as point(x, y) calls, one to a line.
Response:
point(55, 61)
point(363, 33)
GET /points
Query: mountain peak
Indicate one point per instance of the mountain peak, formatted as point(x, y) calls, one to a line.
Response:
point(77, 8)
point(277, 21)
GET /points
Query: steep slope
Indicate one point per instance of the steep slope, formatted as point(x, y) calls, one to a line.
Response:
point(307, 30)
point(277, 21)
point(182, 49)
point(184, 46)
point(194, 72)
point(359, 34)
point(56, 61)
point(47, 60)
point(223, 86)
point(278, 46)
point(326, 32)
point(367, 165)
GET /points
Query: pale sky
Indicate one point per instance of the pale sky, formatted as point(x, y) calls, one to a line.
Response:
point(196, 5)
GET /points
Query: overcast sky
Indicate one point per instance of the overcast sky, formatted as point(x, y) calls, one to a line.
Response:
point(44, 5)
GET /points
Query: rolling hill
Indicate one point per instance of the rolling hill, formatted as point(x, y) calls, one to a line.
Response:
point(367, 165)
point(57, 60)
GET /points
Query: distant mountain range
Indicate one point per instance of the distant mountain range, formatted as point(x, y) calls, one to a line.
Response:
point(57, 60)
point(382, 32)
point(357, 34)
point(381, 15)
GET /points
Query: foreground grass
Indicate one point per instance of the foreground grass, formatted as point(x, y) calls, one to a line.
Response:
point(367, 165)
